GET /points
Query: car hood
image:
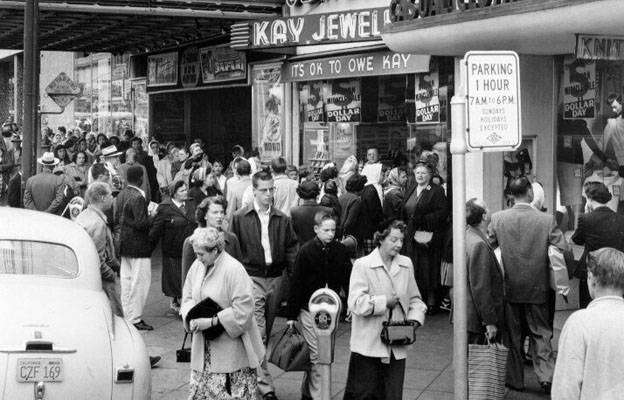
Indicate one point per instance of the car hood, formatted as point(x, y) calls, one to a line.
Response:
point(75, 322)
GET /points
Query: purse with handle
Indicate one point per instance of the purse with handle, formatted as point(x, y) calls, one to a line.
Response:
point(183, 355)
point(398, 333)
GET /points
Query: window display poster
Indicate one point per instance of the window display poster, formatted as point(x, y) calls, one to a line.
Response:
point(343, 100)
point(427, 98)
point(162, 69)
point(391, 99)
point(343, 142)
point(189, 67)
point(268, 110)
point(316, 145)
point(579, 88)
point(311, 95)
point(220, 64)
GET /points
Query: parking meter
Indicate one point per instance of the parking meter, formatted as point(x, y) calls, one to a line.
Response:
point(325, 306)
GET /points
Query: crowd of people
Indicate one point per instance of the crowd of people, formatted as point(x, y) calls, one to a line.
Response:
point(244, 241)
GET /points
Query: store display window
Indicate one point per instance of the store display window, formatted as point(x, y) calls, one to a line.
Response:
point(590, 133)
point(405, 117)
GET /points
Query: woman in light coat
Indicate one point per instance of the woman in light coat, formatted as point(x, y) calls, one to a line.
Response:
point(225, 366)
point(380, 282)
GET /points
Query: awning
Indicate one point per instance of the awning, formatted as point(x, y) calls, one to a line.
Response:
point(546, 27)
point(119, 26)
point(377, 63)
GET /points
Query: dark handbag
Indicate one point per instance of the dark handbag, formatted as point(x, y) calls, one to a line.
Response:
point(398, 333)
point(183, 355)
point(291, 352)
point(207, 308)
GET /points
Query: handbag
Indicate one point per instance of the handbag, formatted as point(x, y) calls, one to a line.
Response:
point(486, 371)
point(291, 352)
point(183, 355)
point(398, 333)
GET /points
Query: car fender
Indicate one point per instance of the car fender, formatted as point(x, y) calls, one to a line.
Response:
point(130, 353)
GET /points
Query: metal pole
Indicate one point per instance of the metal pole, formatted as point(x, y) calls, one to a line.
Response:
point(460, 290)
point(325, 381)
point(37, 99)
point(29, 95)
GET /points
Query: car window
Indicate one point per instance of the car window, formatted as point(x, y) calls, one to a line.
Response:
point(23, 257)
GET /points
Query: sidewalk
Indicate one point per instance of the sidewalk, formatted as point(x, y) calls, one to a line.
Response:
point(429, 372)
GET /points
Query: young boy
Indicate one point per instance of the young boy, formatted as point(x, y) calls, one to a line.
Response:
point(321, 261)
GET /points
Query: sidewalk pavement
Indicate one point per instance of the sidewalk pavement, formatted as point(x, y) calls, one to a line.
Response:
point(428, 376)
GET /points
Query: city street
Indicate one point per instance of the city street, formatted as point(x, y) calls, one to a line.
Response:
point(429, 374)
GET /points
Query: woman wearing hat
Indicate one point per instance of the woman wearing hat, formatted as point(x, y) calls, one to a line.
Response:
point(174, 222)
point(425, 211)
point(223, 366)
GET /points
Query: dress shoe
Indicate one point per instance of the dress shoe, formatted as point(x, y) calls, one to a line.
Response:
point(143, 326)
point(269, 396)
point(154, 360)
point(546, 387)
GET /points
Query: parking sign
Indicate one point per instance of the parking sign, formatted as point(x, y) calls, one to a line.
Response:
point(493, 100)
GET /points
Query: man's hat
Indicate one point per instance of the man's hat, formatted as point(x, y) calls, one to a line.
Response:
point(48, 159)
point(110, 151)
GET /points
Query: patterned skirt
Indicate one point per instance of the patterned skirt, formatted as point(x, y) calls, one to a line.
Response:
point(237, 385)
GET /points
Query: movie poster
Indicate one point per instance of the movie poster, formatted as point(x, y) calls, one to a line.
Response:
point(268, 126)
point(343, 100)
point(579, 88)
point(427, 97)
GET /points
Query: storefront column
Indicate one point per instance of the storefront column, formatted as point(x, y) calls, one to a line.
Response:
point(187, 117)
point(18, 81)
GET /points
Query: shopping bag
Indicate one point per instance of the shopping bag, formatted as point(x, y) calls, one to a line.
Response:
point(183, 354)
point(486, 371)
point(291, 352)
point(558, 270)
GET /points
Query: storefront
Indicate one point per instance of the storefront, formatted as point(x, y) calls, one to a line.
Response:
point(570, 136)
point(200, 92)
point(340, 91)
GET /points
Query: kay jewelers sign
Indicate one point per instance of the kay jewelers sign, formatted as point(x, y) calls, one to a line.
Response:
point(493, 100)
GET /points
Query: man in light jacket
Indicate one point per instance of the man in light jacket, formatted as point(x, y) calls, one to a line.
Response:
point(99, 196)
point(524, 234)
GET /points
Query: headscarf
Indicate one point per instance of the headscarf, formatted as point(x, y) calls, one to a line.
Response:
point(393, 181)
point(373, 174)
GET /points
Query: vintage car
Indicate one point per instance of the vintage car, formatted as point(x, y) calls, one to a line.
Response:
point(58, 336)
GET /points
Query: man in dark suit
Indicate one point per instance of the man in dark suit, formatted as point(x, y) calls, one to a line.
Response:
point(485, 278)
point(135, 248)
point(269, 247)
point(524, 234)
point(599, 228)
point(14, 190)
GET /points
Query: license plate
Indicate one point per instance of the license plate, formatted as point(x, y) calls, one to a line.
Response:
point(39, 370)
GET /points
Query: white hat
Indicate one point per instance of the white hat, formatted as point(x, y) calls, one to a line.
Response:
point(110, 151)
point(48, 159)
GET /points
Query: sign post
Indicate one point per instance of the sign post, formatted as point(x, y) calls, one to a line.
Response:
point(485, 116)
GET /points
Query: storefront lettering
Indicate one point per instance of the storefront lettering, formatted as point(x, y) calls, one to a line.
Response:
point(337, 27)
point(592, 47)
point(405, 10)
point(367, 64)
point(428, 113)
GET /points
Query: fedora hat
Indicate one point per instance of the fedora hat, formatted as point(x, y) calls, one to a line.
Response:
point(48, 159)
point(110, 151)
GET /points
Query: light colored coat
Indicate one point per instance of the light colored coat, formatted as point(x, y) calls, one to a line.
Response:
point(591, 355)
point(370, 286)
point(285, 194)
point(227, 284)
point(95, 223)
point(236, 187)
point(163, 173)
